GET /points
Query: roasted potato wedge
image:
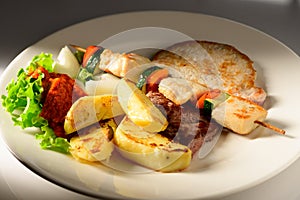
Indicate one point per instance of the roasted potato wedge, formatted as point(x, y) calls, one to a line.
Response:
point(95, 143)
point(151, 150)
point(91, 109)
point(139, 108)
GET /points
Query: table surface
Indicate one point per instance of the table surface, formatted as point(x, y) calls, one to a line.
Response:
point(26, 22)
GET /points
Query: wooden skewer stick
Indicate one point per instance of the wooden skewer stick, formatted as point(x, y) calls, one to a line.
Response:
point(270, 126)
point(78, 48)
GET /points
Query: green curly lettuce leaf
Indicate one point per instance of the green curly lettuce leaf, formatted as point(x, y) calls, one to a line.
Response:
point(23, 102)
point(51, 142)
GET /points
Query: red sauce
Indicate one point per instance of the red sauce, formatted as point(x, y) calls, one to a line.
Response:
point(60, 92)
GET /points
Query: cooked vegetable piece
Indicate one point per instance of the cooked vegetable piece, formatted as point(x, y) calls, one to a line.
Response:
point(90, 63)
point(211, 103)
point(197, 90)
point(95, 143)
point(66, 63)
point(79, 56)
point(151, 150)
point(91, 109)
point(207, 95)
point(84, 75)
point(143, 77)
point(154, 78)
point(91, 59)
point(139, 108)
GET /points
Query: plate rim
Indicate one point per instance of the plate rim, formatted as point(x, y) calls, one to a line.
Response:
point(5, 72)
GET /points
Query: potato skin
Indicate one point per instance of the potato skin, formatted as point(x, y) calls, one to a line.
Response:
point(151, 150)
point(139, 108)
point(95, 143)
point(91, 109)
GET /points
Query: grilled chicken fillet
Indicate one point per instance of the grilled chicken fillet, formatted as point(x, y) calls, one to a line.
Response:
point(214, 65)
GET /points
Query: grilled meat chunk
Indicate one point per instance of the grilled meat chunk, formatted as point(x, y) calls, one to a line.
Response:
point(187, 125)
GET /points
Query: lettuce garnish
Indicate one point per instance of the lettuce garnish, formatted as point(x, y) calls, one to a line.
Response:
point(23, 102)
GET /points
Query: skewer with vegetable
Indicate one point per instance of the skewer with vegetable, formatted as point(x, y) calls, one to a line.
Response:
point(241, 115)
point(235, 113)
point(221, 71)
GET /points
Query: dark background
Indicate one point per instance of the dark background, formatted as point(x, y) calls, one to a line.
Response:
point(24, 22)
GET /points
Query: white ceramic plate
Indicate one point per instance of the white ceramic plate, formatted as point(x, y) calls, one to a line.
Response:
point(236, 163)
